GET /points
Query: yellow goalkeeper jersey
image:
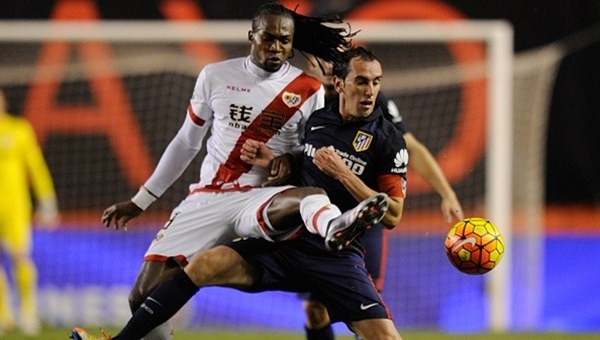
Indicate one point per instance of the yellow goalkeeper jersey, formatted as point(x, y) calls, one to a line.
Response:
point(22, 166)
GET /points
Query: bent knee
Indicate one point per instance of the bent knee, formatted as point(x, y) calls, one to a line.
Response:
point(152, 274)
point(219, 266)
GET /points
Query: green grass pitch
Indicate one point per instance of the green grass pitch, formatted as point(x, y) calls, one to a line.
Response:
point(63, 333)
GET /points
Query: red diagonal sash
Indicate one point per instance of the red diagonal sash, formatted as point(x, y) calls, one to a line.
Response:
point(266, 124)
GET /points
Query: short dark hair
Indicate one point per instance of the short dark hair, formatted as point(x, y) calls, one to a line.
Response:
point(311, 35)
point(269, 8)
point(341, 66)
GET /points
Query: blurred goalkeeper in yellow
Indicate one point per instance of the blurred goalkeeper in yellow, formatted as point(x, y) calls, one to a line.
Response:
point(22, 166)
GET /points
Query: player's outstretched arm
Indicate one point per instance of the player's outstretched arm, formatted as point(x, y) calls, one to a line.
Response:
point(424, 163)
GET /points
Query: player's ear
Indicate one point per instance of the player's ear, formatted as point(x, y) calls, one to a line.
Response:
point(250, 35)
point(338, 84)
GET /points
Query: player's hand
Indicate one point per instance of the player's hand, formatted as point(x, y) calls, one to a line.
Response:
point(281, 170)
point(119, 214)
point(452, 210)
point(328, 161)
point(46, 214)
point(256, 153)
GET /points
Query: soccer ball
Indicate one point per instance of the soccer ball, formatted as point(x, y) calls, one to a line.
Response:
point(474, 245)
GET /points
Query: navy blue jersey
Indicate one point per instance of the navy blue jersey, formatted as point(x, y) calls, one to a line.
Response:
point(390, 112)
point(373, 148)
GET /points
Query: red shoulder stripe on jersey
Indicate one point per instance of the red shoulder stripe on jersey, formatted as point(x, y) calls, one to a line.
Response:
point(267, 124)
point(199, 121)
point(393, 185)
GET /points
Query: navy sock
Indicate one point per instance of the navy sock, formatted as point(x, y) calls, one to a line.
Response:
point(159, 307)
point(325, 333)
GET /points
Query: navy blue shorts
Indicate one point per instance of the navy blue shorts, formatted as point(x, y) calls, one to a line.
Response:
point(375, 248)
point(375, 243)
point(337, 279)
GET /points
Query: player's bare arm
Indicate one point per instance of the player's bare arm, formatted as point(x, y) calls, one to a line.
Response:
point(328, 161)
point(424, 163)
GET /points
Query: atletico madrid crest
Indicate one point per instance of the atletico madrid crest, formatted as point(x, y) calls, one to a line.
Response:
point(362, 141)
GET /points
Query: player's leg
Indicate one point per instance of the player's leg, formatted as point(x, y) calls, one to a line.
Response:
point(151, 275)
point(26, 283)
point(218, 266)
point(323, 218)
point(18, 247)
point(198, 223)
point(7, 320)
point(342, 283)
point(284, 209)
point(376, 329)
point(318, 324)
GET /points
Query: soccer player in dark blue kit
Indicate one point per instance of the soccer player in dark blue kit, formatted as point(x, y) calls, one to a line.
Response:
point(352, 152)
point(374, 241)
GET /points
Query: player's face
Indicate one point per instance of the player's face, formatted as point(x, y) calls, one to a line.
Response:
point(359, 89)
point(271, 42)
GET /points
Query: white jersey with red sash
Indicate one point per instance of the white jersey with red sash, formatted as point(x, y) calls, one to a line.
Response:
point(245, 102)
point(238, 101)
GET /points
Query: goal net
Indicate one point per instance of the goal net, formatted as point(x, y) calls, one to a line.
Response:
point(106, 98)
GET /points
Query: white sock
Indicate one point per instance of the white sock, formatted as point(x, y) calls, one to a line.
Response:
point(316, 212)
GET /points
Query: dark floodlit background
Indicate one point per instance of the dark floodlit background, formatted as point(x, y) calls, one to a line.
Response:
point(84, 262)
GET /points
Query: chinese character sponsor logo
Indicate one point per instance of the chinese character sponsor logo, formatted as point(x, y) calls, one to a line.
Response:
point(240, 113)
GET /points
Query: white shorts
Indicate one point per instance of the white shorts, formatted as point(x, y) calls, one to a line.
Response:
point(207, 219)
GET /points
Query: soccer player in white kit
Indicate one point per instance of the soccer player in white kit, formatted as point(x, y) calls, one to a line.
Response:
point(260, 97)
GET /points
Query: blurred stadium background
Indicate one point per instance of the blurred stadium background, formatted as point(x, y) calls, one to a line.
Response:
point(105, 109)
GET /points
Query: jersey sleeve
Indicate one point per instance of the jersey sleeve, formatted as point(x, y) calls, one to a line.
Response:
point(187, 142)
point(392, 169)
point(200, 105)
point(41, 180)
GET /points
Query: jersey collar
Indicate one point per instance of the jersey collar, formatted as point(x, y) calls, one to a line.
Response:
point(335, 108)
point(262, 74)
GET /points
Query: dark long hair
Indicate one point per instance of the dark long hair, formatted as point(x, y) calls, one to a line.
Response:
point(312, 35)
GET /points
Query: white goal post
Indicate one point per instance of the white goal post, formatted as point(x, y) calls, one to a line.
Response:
point(496, 69)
